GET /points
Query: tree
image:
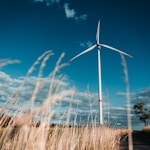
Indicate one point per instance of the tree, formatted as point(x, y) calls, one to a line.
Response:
point(142, 112)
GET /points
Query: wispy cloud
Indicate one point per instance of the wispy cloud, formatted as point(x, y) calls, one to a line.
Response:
point(48, 2)
point(71, 13)
point(81, 17)
point(86, 44)
point(5, 62)
point(140, 95)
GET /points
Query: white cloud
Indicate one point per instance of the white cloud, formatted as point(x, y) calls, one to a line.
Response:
point(81, 17)
point(71, 13)
point(86, 44)
point(5, 62)
point(9, 86)
point(39, 1)
point(48, 2)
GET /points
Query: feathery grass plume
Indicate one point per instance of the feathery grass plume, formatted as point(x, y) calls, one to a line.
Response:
point(108, 107)
point(69, 110)
point(5, 62)
point(57, 67)
point(125, 70)
point(38, 83)
point(90, 106)
point(31, 69)
point(51, 97)
point(76, 114)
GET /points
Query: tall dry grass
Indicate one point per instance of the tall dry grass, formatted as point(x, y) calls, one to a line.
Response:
point(125, 70)
point(59, 138)
point(20, 131)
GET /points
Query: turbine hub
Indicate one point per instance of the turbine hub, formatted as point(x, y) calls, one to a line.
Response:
point(98, 45)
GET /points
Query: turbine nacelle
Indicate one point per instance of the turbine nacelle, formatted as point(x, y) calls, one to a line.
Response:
point(98, 45)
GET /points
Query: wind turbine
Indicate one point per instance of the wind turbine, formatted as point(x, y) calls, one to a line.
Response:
point(99, 45)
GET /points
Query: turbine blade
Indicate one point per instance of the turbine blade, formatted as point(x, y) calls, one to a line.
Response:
point(85, 51)
point(117, 50)
point(98, 32)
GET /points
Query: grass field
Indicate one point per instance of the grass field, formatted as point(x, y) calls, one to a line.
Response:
point(43, 137)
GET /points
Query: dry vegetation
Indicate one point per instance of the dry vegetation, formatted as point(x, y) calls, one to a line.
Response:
point(44, 137)
point(20, 132)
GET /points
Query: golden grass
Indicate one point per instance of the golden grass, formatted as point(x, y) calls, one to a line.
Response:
point(27, 137)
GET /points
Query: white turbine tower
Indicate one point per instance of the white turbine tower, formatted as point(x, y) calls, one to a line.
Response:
point(98, 45)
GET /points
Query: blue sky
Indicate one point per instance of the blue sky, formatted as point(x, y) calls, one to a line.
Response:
point(28, 28)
